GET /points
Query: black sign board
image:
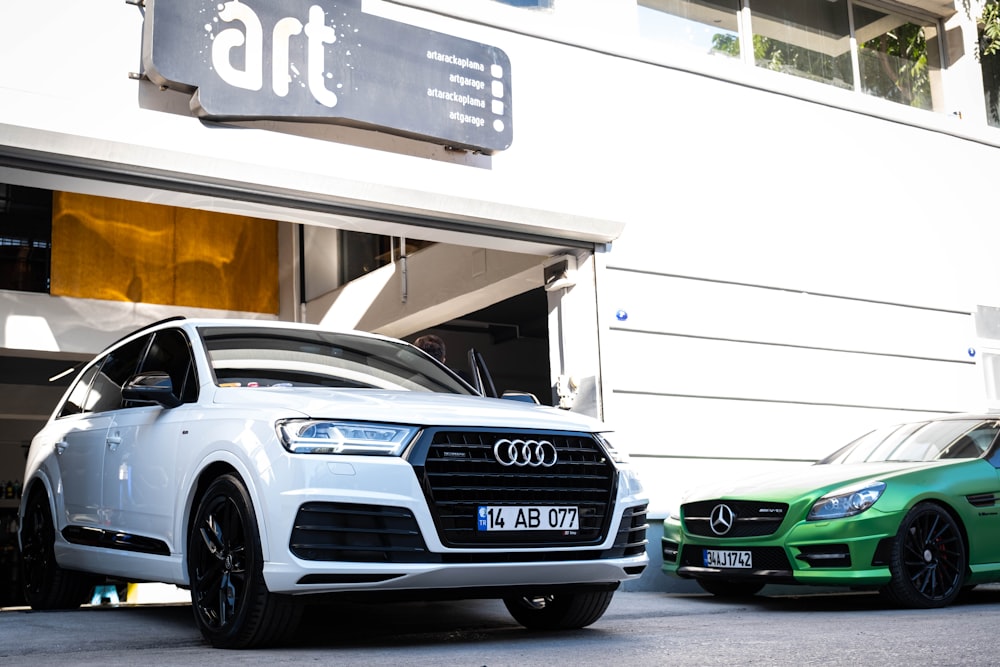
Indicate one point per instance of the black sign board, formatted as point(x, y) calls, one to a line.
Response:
point(328, 61)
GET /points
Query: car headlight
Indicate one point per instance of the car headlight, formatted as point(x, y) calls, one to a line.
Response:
point(846, 502)
point(325, 436)
point(616, 455)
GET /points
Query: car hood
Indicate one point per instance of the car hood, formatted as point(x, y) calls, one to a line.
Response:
point(407, 407)
point(810, 479)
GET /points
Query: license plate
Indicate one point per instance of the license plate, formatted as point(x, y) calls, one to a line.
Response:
point(528, 517)
point(728, 559)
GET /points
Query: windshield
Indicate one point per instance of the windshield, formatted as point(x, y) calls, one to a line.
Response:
point(921, 441)
point(263, 357)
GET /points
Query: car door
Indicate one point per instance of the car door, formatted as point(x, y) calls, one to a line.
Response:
point(77, 439)
point(80, 449)
point(140, 459)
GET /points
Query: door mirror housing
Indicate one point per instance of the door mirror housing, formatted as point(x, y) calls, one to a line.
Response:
point(523, 396)
point(153, 387)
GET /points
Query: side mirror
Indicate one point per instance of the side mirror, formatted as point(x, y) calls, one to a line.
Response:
point(153, 387)
point(523, 396)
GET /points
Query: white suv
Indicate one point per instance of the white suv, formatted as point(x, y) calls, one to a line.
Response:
point(260, 462)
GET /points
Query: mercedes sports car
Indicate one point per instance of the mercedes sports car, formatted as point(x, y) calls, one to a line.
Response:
point(912, 510)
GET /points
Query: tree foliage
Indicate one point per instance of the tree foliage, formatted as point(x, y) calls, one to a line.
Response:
point(989, 26)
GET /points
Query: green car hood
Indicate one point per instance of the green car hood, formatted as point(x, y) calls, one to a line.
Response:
point(788, 485)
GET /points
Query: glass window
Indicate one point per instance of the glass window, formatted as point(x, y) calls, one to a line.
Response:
point(527, 3)
point(921, 441)
point(807, 39)
point(706, 26)
point(257, 357)
point(170, 353)
point(898, 56)
point(988, 51)
point(118, 368)
point(889, 55)
point(25, 238)
point(76, 401)
point(362, 253)
point(991, 87)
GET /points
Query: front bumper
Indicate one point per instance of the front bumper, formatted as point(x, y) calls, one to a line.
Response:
point(844, 552)
point(367, 524)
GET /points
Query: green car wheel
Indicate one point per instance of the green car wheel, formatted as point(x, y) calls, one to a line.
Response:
point(928, 559)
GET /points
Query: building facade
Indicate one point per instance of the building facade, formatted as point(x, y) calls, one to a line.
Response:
point(741, 232)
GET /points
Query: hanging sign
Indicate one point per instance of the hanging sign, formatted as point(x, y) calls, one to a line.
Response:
point(328, 61)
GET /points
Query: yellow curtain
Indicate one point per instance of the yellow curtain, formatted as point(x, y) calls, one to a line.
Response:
point(119, 250)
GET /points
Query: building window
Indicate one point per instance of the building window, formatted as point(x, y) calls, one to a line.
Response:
point(991, 87)
point(361, 253)
point(888, 54)
point(708, 27)
point(899, 57)
point(527, 3)
point(809, 39)
point(25, 238)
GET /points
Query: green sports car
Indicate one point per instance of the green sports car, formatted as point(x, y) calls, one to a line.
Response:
point(912, 510)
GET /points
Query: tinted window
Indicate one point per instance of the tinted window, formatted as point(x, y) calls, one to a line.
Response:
point(76, 401)
point(255, 357)
point(118, 367)
point(170, 353)
point(922, 441)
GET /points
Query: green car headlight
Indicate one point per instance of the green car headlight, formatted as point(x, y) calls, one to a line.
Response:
point(846, 502)
point(324, 436)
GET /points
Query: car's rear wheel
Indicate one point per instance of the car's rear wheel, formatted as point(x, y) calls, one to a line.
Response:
point(46, 585)
point(232, 606)
point(928, 559)
point(730, 589)
point(559, 611)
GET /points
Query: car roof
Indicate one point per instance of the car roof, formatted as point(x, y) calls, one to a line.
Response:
point(192, 323)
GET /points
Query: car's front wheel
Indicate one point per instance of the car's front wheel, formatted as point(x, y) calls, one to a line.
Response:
point(46, 585)
point(559, 611)
point(232, 606)
point(928, 559)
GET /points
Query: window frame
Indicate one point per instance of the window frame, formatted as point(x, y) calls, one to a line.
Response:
point(744, 22)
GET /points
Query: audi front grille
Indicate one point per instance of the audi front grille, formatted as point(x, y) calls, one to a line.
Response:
point(460, 472)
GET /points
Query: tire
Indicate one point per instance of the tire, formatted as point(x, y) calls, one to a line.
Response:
point(928, 559)
point(232, 606)
point(46, 585)
point(560, 611)
point(730, 589)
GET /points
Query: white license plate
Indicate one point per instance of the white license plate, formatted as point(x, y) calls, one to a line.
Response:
point(528, 517)
point(728, 559)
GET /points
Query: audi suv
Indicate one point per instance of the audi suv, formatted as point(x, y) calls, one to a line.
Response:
point(261, 464)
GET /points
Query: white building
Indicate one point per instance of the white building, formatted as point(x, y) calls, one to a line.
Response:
point(780, 214)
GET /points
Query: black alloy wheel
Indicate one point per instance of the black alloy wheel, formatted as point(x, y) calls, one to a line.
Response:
point(928, 559)
point(231, 603)
point(46, 585)
point(559, 611)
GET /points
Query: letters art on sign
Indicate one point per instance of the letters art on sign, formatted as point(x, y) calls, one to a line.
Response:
point(328, 61)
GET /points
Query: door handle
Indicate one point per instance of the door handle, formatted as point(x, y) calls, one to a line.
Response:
point(60, 446)
point(113, 441)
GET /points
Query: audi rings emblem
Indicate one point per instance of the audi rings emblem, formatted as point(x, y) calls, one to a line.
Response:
point(521, 453)
point(721, 520)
